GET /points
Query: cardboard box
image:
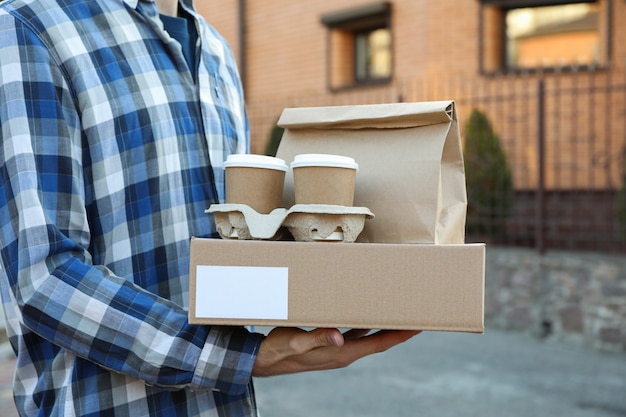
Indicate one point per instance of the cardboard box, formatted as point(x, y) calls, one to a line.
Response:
point(411, 269)
point(346, 285)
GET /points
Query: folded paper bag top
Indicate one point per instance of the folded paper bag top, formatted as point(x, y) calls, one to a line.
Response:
point(255, 180)
point(324, 179)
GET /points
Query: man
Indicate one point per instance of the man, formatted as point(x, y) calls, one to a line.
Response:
point(114, 129)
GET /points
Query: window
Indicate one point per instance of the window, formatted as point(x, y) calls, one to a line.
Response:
point(527, 35)
point(372, 55)
point(359, 46)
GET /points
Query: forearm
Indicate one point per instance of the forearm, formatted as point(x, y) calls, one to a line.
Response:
point(107, 320)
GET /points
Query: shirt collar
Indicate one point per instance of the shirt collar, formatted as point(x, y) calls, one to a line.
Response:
point(132, 3)
point(186, 4)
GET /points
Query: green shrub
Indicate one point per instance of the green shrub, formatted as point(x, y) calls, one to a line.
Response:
point(276, 133)
point(488, 176)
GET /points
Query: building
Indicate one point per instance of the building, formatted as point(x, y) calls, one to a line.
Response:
point(550, 75)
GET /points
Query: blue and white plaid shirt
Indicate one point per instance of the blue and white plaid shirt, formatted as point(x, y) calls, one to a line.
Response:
point(109, 155)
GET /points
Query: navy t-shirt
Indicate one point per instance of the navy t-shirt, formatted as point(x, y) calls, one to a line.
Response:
point(183, 29)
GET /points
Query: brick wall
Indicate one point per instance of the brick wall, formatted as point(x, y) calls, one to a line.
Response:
point(435, 46)
point(287, 52)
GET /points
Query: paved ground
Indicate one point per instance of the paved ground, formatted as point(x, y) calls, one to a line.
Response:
point(454, 374)
point(443, 375)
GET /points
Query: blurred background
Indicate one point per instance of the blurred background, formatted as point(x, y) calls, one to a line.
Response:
point(540, 88)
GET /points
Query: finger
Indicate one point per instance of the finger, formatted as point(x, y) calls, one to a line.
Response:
point(292, 341)
point(379, 341)
point(401, 335)
point(390, 338)
point(327, 337)
point(355, 333)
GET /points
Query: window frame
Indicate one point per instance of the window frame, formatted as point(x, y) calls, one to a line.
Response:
point(502, 6)
point(351, 22)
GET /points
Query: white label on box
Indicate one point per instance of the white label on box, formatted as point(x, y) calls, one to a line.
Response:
point(242, 292)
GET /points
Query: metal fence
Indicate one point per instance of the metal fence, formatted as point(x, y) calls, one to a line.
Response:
point(564, 137)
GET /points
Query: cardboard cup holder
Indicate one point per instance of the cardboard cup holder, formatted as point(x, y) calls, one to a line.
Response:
point(305, 222)
point(240, 221)
point(322, 222)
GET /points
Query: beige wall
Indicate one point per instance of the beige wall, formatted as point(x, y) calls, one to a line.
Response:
point(287, 45)
point(436, 57)
point(287, 54)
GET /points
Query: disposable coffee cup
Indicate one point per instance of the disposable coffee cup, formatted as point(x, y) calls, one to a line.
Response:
point(324, 179)
point(256, 181)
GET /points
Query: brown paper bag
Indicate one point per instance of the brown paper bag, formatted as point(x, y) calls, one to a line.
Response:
point(411, 173)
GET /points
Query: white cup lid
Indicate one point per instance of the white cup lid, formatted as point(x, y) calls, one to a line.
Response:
point(255, 161)
point(324, 160)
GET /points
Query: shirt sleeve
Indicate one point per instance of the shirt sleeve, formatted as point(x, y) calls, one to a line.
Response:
point(45, 245)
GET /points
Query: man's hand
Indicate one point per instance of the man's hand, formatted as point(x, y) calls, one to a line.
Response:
point(291, 350)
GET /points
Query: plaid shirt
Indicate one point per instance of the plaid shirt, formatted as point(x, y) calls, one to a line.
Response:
point(110, 153)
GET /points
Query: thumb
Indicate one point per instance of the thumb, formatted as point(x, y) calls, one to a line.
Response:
point(333, 337)
point(318, 338)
